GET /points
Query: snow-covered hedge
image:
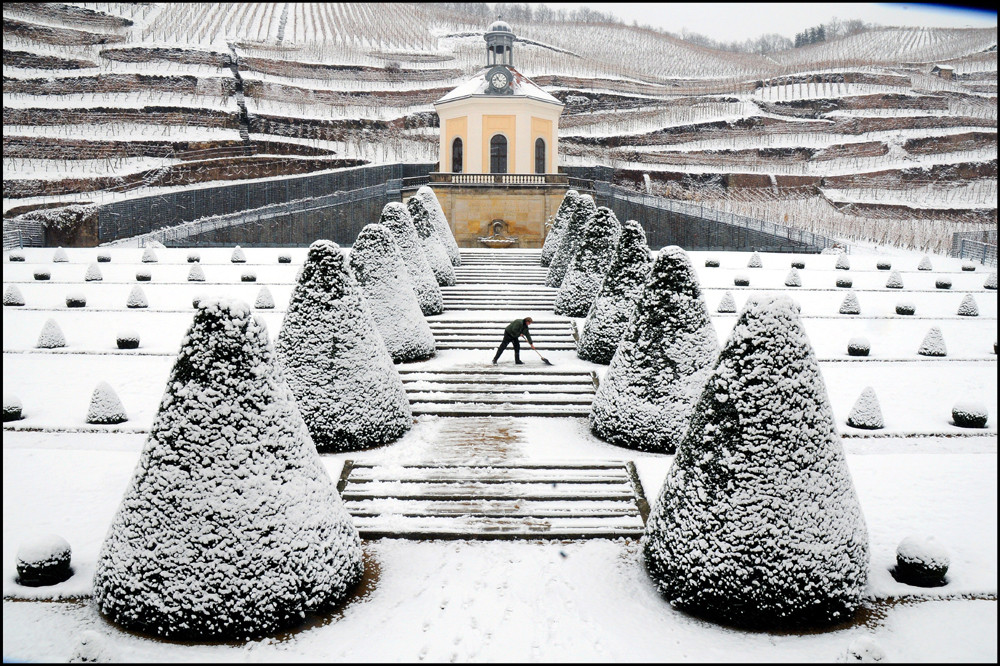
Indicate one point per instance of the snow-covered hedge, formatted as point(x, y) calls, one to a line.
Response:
point(925, 264)
point(563, 215)
point(43, 559)
point(758, 523)
point(608, 318)
point(12, 295)
point(991, 281)
point(193, 258)
point(284, 258)
point(59, 256)
point(11, 408)
point(380, 270)
point(968, 414)
point(93, 274)
point(883, 265)
point(727, 304)
point(265, 301)
point(397, 220)
point(969, 267)
point(711, 263)
point(921, 562)
point(440, 222)
point(570, 240)
point(127, 340)
point(248, 276)
point(793, 279)
point(843, 263)
point(149, 255)
point(105, 407)
point(645, 399)
point(51, 336)
point(430, 242)
point(196, 274)
point(16, 256)
point(741, 280)
point(906, 308)
point(845, 283)
point(137, 298)
point(335, 360)
point(858, 347)
point(799, 264)
point(968, 307)
point(238, 256)
point(866, 413)
point(850, 304)
point(754, 261)
point(933, 344)
point(42, 274)
point(593, 257)
point(76, 299)
point(143, 275)
point(230, 527)
point(895, 281)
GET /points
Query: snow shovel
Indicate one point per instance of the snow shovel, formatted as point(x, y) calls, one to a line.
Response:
point(544, 360)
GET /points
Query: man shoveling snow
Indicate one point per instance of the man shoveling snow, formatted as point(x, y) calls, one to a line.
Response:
point(515, 330)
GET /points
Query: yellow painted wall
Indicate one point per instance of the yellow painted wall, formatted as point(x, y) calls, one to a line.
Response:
point(456, 127)
point(504, 125)
point(542, 128)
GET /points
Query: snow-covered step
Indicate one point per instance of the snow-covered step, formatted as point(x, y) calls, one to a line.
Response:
point(456, 387)
point(393, 526)
point(509, 508)
point(500, 397)
point(503, 409)
point(483, 344)
point(503, 490)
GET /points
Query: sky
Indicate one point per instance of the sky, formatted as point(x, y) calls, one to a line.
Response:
point(740, 21)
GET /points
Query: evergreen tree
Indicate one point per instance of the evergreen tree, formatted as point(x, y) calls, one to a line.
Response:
point(437, 257)
point(396, 219)
point(440, 222)
point(593, 258)
point(563, 215)
point(570, 240)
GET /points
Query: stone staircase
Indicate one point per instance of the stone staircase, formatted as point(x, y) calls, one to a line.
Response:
point(483, 333)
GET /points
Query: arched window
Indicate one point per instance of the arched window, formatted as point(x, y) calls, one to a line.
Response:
point(539, 155)
point(456, 155)
point(498, 154)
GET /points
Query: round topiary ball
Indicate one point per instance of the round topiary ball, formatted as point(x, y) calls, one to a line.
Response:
point(143, 276)
point(845, 283)
point(103, 258)
point(128, 340)
point(15, 256)
point(921, 562)
point(967, 414)
point(798, 264)
point(43, 560)
point(11, 408)
point(858, 347)
point(943, 283)
point(193, 258)
point(741, 281)
point(883, 265)
point(76, 300)
point(968, 267)
point(905, 308)
point(711, 263)
point(42, 275)
point(284, 258)
point(248, 276)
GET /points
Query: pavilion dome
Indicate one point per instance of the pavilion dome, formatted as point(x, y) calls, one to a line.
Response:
point(500, 26)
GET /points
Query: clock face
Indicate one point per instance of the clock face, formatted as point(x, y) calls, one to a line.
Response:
point(498, 80)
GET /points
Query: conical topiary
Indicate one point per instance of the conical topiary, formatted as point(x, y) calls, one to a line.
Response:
point(645, 399)
point(380, 270)
point(933, 344)
point(850, 304)
point(866, 412)
point(231, 527)
point(93, 274)
point(149, 255)
point(336, 363)
point(727, 304)
point(793, 279)
point(60, 256)
point(755, 261)
point(137, 298)
point(593, 258)
point(437, 257)
point(895, 281)
point(991, 281)
point(563, 214)
point(608, 318)
point(12, 295)
point(925, 264)
point(196, 274)
point(396, 219)
point(105, 407)
point(968, 307)
point(570, 240)
point(758, 523)
point(440, 222)
point(843, 263)
point(265, 301)
point(238, 256)
point(51, 336)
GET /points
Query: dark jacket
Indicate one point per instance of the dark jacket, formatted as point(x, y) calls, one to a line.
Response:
point(516, 328)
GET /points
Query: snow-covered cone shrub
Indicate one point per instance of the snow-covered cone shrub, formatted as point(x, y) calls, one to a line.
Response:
point(238, 257)
point(284, 258)
point(865, 649)
point(754, 261)
point(933, 344)
point(883, 264)
point(92, 648)
point(587, 269)
point(895, 281)
point(396, 219)
point(850, 305)
point(127, 339)
point(430, 243)
point(105, 407)
point(196, 274)
point(967, 414)
point(711, 263)
point(793, 279)
point(51, 336)
point(570, 240)
point(925, 264)
point(11, 408)
point(59, 256)
point(42, 275)
point(12, 295)
point(798, 264)
point(843, 263)
point(559, 225)
point(758, 523)
point(608, 318)
point(727, 304)
point(265, 301)
point(858, 347)
point(76, 300)
point(440, 222)
point(968, 308)
point(336, 362)
point(866, 412)
point(645, 399)
point(43, 560)
point(991, 281)
point(905, 308)
point(15, 256)
point(93, 274)
point(230, 527)
point(143, 275)
point(741, 280)
point(137, 298)
point(149, 255)
point(380, 270)
point(969, 267)
point(193, 257)
point(248, 276)
point(845, 283)
point(921, 562)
